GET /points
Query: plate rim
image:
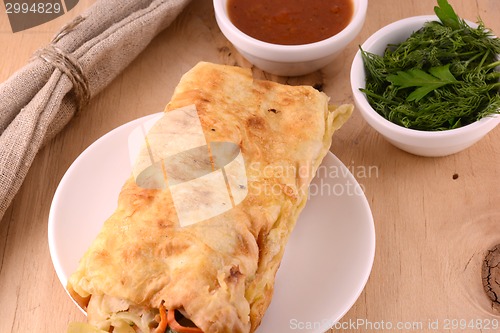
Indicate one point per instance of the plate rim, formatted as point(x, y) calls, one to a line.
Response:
point(329, 158)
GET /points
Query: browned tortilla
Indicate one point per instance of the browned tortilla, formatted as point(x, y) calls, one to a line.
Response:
point(218, 272)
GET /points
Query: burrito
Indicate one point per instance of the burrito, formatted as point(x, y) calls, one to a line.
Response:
point(217, 185)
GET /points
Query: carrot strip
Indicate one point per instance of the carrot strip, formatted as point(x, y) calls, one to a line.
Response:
point(162, 326)
point(172, 322)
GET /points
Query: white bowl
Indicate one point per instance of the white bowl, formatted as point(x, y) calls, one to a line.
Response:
point(290, 60)
point(423, 143)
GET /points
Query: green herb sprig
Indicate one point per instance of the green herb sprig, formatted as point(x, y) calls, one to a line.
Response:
point(442, 77)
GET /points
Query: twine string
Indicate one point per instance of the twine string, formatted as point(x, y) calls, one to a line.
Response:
point(68, 64)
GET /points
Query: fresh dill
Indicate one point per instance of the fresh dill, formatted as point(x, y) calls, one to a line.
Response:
point(442, 77)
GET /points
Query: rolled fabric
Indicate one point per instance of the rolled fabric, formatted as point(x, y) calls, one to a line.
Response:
point(37, 101)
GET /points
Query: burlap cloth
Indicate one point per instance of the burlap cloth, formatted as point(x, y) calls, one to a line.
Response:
point(87, 54)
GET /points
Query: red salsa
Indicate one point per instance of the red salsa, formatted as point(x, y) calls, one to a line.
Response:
point(290, 22)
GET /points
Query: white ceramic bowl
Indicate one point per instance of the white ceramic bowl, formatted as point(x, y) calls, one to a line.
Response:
point(290, 60)
point(424, 143)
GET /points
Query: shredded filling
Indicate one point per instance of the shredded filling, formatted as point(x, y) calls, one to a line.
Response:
point(111, 314)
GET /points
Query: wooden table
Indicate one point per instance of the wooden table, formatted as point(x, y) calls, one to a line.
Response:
point(435, 218)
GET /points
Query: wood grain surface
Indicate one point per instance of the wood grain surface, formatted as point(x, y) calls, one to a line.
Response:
point(437, 220)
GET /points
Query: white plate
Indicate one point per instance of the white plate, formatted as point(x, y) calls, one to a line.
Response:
point(326, 263)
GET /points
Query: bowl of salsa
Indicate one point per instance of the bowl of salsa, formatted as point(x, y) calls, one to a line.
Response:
point(290, 37)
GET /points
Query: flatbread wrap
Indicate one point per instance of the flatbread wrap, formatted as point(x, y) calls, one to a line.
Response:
point(201, 225)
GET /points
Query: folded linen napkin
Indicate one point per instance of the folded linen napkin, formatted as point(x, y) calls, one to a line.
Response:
point(83, 58)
